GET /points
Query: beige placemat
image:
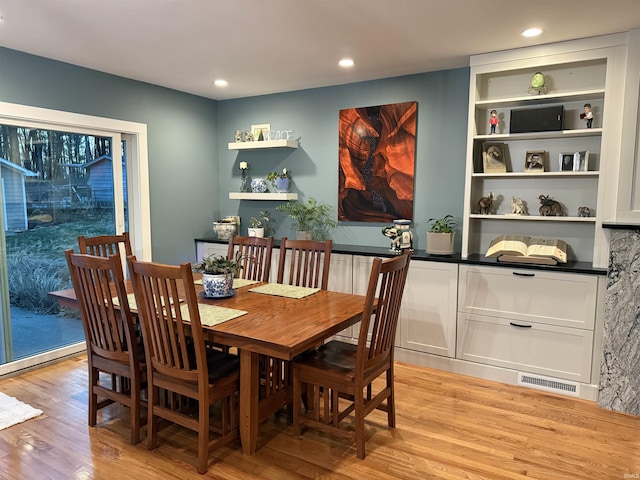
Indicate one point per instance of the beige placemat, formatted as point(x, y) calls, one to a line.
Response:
point(280, 290)
point(211, 315)
point(241, 282)
point(131, 298)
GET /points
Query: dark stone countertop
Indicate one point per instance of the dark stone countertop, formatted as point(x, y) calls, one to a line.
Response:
point(475, 259)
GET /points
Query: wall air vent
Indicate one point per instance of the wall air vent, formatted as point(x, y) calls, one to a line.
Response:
point(549, 384)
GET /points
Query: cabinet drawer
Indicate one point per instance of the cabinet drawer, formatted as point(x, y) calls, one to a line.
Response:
point(559, 352)
point(553, 298)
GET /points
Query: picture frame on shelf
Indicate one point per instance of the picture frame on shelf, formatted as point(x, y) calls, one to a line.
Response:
point(566, 161)
point(262, 128)
point(493, 158)
point(534, 161)
point(581, 161)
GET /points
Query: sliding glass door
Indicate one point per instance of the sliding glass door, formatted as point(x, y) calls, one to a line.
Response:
point(57, 184)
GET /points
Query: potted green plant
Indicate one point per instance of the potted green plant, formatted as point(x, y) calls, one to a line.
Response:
point(280, 180)
point(441, 235)
point(260, 225)
point(218, 272)
point(310, 220)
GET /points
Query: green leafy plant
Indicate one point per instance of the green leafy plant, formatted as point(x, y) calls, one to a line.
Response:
point(219, 264)
point(271, 176)
point(311, 216)
point(263, 220)
point(446, 224)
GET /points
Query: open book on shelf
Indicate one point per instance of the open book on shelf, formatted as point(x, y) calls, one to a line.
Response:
point(523, 249)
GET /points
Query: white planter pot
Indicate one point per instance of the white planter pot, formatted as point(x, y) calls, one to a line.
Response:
point(256, 232)
point(440, 243)
point(217, 286)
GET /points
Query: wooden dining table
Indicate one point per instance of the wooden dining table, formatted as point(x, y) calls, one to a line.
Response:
point(274, 326)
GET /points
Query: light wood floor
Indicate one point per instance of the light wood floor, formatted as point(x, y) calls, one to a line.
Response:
point(448, 427)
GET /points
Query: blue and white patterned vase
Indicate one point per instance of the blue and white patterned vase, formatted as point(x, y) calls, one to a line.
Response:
point(259, 185)
point(217, 286)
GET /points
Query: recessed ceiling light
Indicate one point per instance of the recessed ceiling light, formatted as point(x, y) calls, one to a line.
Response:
point(532, 32)
point(346, 62)
point(220, 83)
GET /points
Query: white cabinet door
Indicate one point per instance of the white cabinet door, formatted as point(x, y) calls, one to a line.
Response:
point(341, 280)
point(204, 249)
point(428, 312)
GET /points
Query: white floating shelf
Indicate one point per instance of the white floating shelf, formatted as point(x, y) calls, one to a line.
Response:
point(263, 144)
point(262, 196)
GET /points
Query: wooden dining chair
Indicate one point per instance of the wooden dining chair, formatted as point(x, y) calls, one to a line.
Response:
point(255, 253)
point(105, 245)
point(304, 263)
point(109, 333)
point(341, 372)
point(177, 361)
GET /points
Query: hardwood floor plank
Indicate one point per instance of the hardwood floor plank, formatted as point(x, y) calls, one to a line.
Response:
point(448, 427)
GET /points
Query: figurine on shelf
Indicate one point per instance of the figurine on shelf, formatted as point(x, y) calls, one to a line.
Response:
point(237, 136)
point(485, 205)
point(587, 116)
point(584, 212)
point(550, 207)
point(493, 121)
point(518, 206)
point(244, 182)
point(537, 85)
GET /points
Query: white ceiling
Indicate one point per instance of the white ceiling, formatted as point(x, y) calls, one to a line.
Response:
point(269, 46)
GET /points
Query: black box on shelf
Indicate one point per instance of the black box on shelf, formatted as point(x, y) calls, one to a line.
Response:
point(546, 119)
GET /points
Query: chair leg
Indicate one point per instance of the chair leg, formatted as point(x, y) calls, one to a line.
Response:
point(391, 402)
point(295, 405)
point(93, 398)
point(135, 412)
point(359, 418)
point(152, 420)
point(203, 437)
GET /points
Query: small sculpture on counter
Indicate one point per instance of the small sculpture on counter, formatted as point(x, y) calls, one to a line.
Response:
point(550, 207)
point(518, 206)
point(485, 205)
point(584, 212)
point(394, 234)
point(400, 235)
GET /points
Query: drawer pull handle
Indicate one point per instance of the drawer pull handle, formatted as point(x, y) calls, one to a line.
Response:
point(519, 326)
point(520, 274)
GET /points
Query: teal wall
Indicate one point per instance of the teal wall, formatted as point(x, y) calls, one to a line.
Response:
point(191, 170)
point(182, 140)
point(313, 115)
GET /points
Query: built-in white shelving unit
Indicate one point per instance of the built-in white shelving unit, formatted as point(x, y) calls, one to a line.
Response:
point(573, 78)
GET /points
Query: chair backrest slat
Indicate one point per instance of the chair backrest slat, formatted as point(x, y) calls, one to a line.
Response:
point(307, 263)
point(256, 256)
point(387, 280)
